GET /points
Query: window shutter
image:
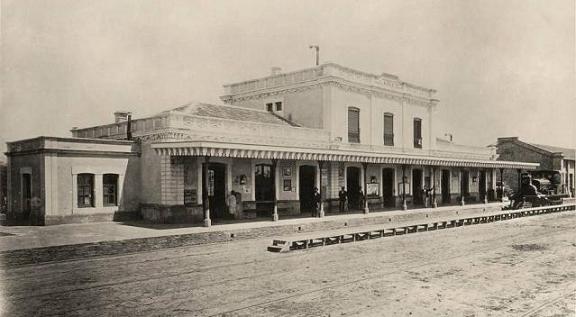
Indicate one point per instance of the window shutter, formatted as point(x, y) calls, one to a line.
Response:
point(417, 133)
point(388, 129)
point(353, 125)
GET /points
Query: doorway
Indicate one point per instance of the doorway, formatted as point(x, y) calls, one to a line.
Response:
point(464, 184)
point(482, 185)
point(264, 189)
point(307, 182)
point(217, 190)
point(353, 187)
point(388, 187)
point(417, 186)
point(26, 196)
point(445, 186)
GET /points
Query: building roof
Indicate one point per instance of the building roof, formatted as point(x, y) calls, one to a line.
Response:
point(232, 113)
point(329, 73)
point(569, 154)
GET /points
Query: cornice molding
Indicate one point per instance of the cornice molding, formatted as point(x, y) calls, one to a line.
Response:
point(337, 82)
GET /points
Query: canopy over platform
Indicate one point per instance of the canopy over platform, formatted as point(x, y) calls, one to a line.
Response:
point(253, 151)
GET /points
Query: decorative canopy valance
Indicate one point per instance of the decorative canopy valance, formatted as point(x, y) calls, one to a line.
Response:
point(235, 150)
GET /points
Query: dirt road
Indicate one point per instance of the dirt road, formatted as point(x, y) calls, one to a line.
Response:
point(522, 267)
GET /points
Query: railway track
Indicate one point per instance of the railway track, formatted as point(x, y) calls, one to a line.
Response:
point(339, 237)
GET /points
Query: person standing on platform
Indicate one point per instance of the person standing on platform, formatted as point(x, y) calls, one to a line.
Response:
point(317, 200)
point(342, 197)
point(231, 201)
point(361, 198)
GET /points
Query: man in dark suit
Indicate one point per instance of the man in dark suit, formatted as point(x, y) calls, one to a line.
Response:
point(342, 197)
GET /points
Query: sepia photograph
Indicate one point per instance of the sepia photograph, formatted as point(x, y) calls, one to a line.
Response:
point(288, 158)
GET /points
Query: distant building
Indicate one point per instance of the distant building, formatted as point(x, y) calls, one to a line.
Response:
point(275, 140)
point(3, 187)
point(556, 163)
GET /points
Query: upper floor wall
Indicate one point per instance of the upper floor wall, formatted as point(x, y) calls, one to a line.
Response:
point(320, 97)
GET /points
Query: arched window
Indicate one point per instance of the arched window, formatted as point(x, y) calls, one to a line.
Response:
point(418, 133)
point(85, 190)
point(388, 129)
point(110, 189)
point(353, 125)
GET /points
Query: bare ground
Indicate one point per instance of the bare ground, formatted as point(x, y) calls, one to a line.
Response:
point(522, 267)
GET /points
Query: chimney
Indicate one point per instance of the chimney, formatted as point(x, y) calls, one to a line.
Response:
point(121, 116)
point(275, 71)
point(129, 127)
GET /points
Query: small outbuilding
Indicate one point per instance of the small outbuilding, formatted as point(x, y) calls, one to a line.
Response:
point(556, 168)
point(57, 180)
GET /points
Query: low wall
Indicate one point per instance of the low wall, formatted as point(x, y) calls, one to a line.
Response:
point(167, 214)
point(74, 218)
point(99, 217)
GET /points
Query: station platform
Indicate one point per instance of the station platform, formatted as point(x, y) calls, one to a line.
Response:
point(28, 245)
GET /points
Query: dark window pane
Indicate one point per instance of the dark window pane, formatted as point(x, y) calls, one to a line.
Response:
point(279, 106)
point(269, 107)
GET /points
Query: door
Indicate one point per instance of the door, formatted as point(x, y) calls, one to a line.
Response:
point(464, 183)
point(353, 187)
point(264, 191)
point(482, 185)
point(445, 186)
point(26, 196)
point(388, 187)
point(217, 190)
point(307, 182)
point(417, 186)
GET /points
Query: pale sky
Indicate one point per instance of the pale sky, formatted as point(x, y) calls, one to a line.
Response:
point(501, 68)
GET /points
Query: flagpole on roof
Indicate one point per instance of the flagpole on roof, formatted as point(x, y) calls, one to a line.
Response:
point(317, 48)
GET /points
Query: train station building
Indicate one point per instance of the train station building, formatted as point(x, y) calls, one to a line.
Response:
point(272, 141)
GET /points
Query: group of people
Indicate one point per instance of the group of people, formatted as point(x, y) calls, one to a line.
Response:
point(233, 199)
point(344, 200)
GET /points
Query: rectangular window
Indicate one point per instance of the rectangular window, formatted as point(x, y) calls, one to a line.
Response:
point(110, 189)
point(388, 129)
point(85, 190)
point(279, 106)
point(269, 107)
point(418, 133)
point(353, 125)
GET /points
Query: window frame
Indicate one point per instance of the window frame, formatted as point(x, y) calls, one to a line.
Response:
point(388, 137)
point(278, 105)
point(270, 106)
point(85, 190)
point(105, 194)
point(353, 136)
point(418, 140)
